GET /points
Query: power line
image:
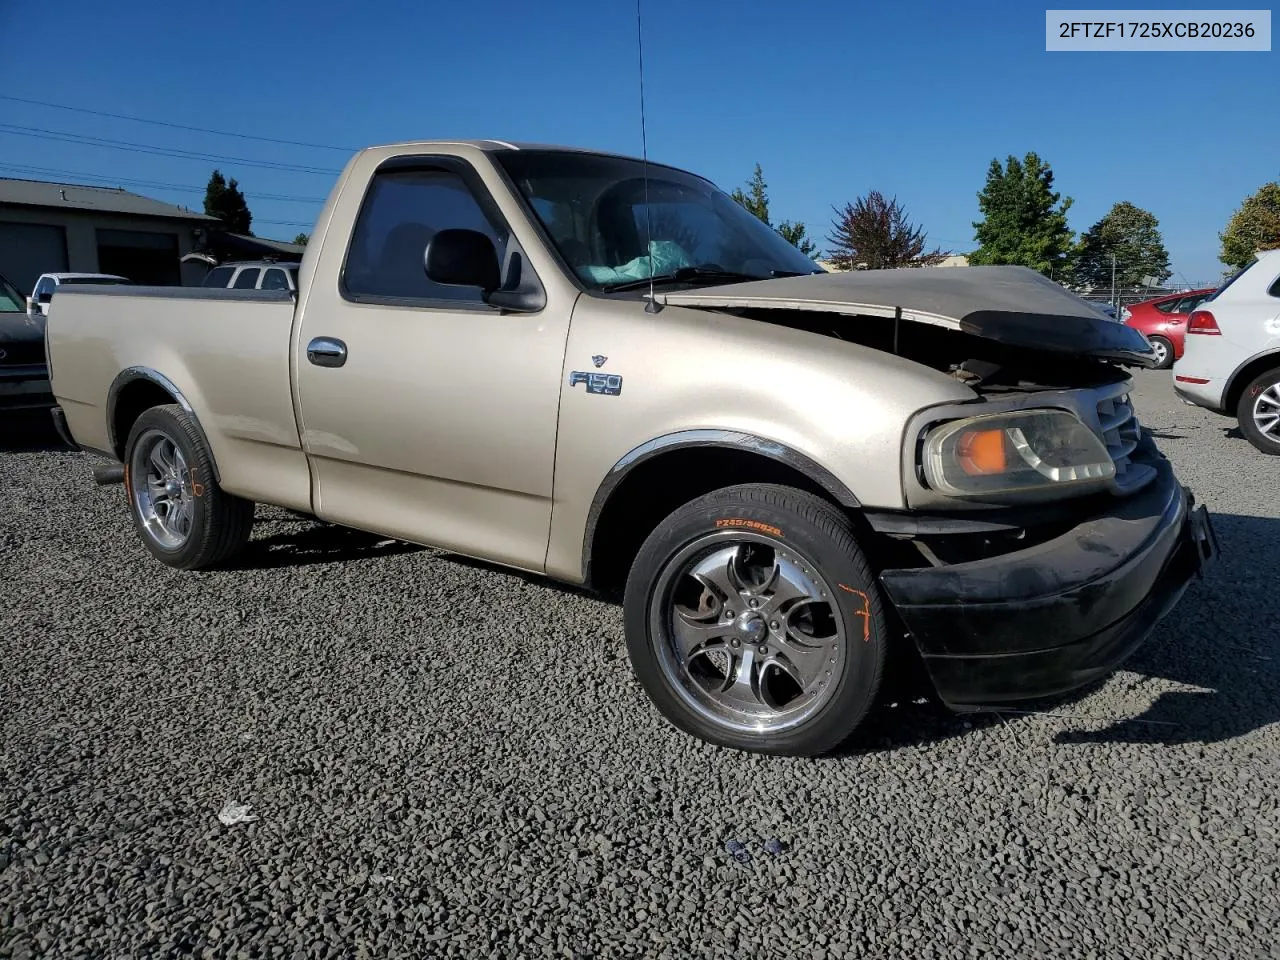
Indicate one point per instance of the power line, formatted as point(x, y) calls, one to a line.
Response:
point(177, 126)
point(84, 140)
point(149, 184)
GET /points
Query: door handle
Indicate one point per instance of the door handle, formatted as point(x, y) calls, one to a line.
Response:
point(327, 352)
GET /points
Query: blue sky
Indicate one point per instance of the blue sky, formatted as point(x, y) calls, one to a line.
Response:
point(832, 99)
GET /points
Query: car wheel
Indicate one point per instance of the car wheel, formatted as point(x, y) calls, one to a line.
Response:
point(1258, 411)
point(184, 518)
point(754, 622)
point(1164, 352)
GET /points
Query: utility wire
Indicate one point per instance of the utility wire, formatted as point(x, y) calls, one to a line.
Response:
point(176, 126)
point(149, 184)
point(84, 140)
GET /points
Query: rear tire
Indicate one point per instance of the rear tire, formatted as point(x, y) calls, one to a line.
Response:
point(754, 621)
point(1258, 411)
point(185, 520)
point(1164, 352)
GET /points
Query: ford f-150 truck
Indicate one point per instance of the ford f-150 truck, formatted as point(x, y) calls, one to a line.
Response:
point(605, 371)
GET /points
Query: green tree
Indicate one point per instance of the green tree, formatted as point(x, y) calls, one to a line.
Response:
point(793, 233)
point(1132, 236)
point(1254, 227)
point(1021, 220)
point(875, 234)
point(225, 201)
point(756, 201)
point(302, 239)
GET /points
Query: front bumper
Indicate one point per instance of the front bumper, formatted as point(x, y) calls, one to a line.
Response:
point(1056, 616)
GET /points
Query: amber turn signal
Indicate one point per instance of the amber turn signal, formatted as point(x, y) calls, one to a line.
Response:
point(981, 452)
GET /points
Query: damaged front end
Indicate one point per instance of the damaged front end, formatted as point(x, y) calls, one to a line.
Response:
point(1044, 534)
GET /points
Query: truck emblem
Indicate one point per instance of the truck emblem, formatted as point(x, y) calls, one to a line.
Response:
point(608, 384)
point(599, 360)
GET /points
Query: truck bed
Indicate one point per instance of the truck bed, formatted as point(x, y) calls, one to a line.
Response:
point(226, 353)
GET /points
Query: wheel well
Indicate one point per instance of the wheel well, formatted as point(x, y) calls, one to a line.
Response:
point(1241, 378)
point(133, 399)
point(656, 487)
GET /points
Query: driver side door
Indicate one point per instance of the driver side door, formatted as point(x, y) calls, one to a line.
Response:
point(427, 414)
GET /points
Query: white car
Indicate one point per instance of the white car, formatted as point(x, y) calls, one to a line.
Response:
point(1231, 361)
point(42, 292)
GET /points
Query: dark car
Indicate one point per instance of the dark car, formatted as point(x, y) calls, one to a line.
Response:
point(1163, 321)
point(24, 371)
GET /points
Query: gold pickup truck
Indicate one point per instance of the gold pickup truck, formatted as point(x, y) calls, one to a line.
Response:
point(602, 370)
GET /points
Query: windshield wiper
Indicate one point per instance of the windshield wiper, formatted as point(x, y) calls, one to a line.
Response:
point(685, 274)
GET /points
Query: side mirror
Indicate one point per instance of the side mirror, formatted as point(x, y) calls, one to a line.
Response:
point(464, 258)
point(32, 309)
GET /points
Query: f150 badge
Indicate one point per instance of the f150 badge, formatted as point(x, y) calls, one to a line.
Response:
point(608, 384)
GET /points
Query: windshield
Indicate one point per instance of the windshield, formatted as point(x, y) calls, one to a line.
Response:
point(594, 209)
point(11, 301)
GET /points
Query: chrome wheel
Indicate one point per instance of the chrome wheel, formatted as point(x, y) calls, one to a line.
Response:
point(161, 486)
point(1266, 412)
point(746, 632)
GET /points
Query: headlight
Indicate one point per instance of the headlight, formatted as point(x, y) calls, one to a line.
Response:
point(1003, 453)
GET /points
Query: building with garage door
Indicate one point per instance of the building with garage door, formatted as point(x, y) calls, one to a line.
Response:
point(59, 227)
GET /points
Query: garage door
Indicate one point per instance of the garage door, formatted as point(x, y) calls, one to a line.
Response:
point(30, 249)
point(140, 255)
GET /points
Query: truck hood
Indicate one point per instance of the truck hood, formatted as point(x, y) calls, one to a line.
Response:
point(1013, 305)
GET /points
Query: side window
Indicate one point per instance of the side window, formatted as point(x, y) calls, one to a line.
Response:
point(1166, 306)
point(403, 210)
point(248, 278)
point(44, 289)
point(218, 277)
point(275, 280)
point(1274, 289)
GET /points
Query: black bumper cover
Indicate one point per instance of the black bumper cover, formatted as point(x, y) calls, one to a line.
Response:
point(1042, 621)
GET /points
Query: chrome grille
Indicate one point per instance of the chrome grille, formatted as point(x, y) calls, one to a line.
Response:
point(1120, 430)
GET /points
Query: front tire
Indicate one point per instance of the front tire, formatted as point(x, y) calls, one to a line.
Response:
point(1258, 411)
point(185, 520)
point(754, 622)
point(1164, 352)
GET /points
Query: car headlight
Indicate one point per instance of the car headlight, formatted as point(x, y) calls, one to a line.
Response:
point(1002, 453)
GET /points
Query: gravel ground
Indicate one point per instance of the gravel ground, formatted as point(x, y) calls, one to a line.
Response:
point(449, 760)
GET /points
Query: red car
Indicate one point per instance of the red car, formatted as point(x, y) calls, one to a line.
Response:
point(1163, 321)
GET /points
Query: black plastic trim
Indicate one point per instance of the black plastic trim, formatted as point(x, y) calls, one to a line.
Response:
point(1239, 372)
point(177, 293)
point(723, 439)
point(59, 418)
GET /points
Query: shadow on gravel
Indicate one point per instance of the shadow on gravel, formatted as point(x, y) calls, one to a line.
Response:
point(1221, 638)
point(29, 431)
point(301, 542)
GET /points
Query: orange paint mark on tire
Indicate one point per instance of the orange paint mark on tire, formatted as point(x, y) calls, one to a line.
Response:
point(864, 613)
point(197, 488)
point(749, 525)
